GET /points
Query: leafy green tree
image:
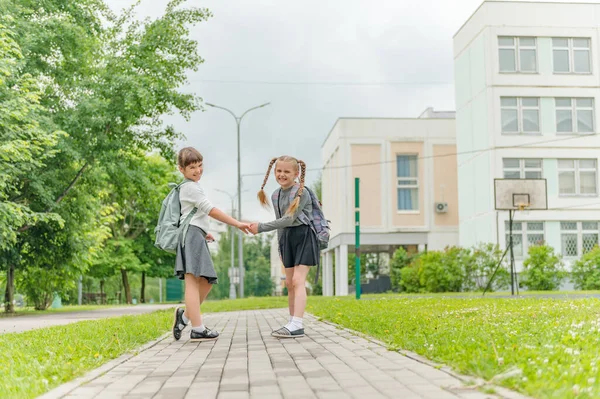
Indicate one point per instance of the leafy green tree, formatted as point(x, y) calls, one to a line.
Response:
point(25, 146)
point(543, 270)
point(137, 186)
point(107, 80)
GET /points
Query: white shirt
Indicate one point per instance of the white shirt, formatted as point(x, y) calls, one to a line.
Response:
point(192, 195)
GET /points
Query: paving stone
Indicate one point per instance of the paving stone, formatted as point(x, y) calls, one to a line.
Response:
point(246, 362)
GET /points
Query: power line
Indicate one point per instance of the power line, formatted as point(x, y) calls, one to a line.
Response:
point(441, 155)
point(321, 83)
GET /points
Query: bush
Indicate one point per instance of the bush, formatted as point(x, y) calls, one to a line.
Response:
point(484, 260)
point(39, 284)
point(443, 271)
point(409, 278)
point(543, 270)
point(586, 271)
point(399, 261)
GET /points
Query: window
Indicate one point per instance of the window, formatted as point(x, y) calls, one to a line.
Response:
point(520, 114)
point(578, 238)
point(515, 168)
point(517, 54)
point(525, 235)
point(577, 177)
point(408, 182)
point(574, 115)
point(571, 55)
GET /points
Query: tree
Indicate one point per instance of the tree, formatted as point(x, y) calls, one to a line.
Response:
point(25, 146)
point(107, 80)
point(137, 186)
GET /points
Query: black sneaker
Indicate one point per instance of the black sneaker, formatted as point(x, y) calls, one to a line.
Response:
point(178, 324)
point(206, 335)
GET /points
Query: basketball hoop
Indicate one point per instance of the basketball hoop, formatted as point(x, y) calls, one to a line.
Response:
point(514, 195)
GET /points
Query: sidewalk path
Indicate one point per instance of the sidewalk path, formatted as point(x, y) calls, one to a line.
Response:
point(246, 362)
point(34, 321)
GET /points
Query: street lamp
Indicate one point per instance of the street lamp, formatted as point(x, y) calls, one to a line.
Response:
point(238, 121)
point(231, 273)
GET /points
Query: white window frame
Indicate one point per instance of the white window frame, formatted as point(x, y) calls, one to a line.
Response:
point(520, 107)
point(577, 172)
point(517, 47)
point(579, 231)
point(524, 232)
point(574, 109)
point(523, 169)
point(414, 185)
point(570, 48)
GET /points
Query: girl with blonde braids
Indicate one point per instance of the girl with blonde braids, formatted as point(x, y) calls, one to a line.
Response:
point(298, 246)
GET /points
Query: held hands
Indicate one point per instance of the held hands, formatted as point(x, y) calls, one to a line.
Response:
point(244, 227)
point(254, 228)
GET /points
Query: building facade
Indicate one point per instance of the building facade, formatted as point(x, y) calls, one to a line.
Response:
point(527, 79)
point(408, 188)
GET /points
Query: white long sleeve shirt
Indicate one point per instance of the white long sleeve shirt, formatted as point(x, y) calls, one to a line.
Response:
point(192, 195)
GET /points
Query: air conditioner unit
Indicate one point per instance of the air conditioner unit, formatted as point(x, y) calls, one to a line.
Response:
point(441, 207)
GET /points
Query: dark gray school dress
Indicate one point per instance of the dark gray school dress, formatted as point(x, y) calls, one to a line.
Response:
point(195, 257)
point(297, 242)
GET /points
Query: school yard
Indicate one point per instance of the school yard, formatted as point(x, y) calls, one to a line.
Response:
point(382, 346)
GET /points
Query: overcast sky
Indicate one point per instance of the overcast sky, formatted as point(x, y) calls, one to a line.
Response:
point(314, 61)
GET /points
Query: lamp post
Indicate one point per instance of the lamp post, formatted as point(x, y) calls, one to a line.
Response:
point(232, 267)
point(238, 121)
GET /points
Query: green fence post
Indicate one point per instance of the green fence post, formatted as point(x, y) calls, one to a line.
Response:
point(357, 235)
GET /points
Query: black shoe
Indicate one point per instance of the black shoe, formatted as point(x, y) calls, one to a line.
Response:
point(206, 335)
point(178, 324)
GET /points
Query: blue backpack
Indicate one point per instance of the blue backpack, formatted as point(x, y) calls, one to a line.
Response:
point(318, 222)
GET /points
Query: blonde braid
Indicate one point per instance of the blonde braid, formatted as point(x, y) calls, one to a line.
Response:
point(296, 202)
point(262, 196)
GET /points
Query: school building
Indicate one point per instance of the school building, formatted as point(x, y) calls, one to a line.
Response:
point(408, 188)
point(526, 84)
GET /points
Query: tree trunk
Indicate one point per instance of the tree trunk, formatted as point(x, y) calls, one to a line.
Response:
point(126, 287)
point(101, 292)
point(142, 294)
point(9, 295)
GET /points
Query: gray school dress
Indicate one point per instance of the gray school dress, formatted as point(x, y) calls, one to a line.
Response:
point(195, 257)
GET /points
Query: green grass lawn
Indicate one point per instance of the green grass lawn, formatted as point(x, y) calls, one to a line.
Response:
point(34, 362)
point(554, 343)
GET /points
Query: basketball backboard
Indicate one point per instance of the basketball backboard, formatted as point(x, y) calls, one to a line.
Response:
point(520, 194)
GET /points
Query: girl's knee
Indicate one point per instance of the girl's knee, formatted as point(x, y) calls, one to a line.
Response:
point(289, 284)
point(298, 283)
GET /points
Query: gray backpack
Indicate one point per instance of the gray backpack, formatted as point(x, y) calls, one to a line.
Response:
point(169, 232)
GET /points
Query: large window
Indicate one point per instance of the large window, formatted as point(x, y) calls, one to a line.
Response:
point(520, 114)
point(577, 238)
point(517, 54)
point(408, 182)
point(574, 115)
point(515, 168)
point(525, 235)
point(577, 177)
point(571, 55)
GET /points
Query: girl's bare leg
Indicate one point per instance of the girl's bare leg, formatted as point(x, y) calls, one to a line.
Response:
point(192, 299)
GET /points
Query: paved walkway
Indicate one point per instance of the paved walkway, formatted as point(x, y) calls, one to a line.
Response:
point(34, 321)
point(246, 362)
